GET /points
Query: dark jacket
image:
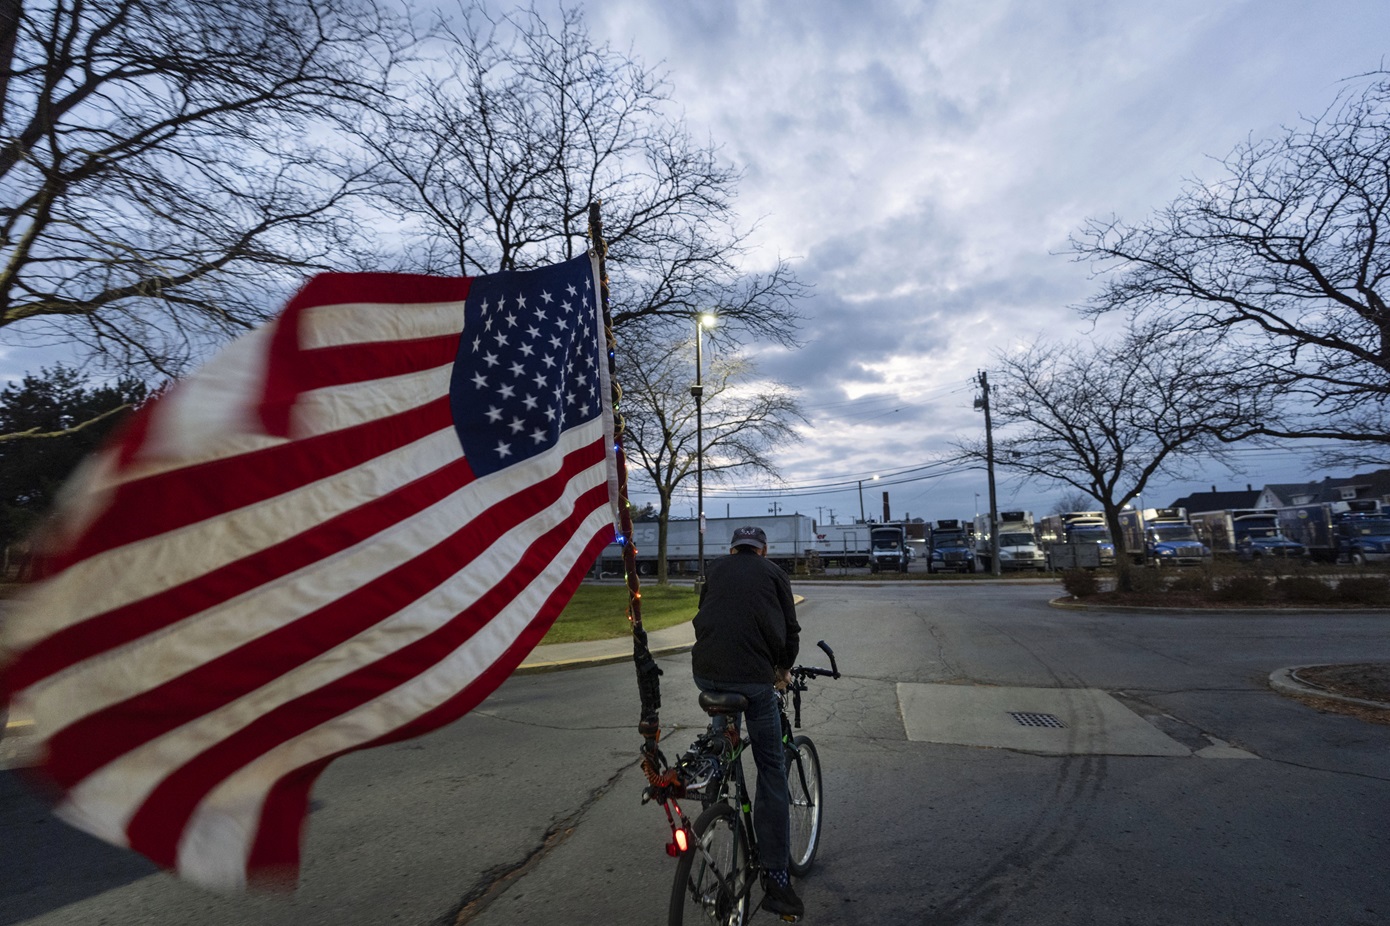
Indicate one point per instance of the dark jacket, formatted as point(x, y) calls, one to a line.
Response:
point(746, 624)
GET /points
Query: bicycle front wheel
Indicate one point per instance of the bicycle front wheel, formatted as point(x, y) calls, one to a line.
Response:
point(713, 876)
point(804, 787)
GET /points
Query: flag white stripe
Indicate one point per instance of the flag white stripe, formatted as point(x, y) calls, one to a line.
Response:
point(92, 686)
point(217, 842)
point(212, 413)
point(119, 788)
point(343, 323)
point(124, 573)
point(137, 570)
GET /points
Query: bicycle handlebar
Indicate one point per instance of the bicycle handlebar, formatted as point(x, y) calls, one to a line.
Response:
point(814, 672)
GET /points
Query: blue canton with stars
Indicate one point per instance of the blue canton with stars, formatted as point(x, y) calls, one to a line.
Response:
point(527, 364)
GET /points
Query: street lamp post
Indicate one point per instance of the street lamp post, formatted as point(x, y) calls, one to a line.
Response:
point(861, 500)
point(703, 321)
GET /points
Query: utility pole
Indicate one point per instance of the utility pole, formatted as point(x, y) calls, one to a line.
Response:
point(775, 510)
point(983, 403)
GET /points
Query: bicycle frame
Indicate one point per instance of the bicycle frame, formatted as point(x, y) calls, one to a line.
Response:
point(712, 771)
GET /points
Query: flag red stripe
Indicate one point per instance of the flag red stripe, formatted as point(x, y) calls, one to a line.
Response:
point(87, 744)
point(168, 501)
point(112, 629)
point(156, 827)
point(283, 382)
point(379, 288)
point(276, 848)
point(345, 364)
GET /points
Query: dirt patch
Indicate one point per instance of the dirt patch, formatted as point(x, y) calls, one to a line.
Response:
point(1206, 602)
point(1369, 681)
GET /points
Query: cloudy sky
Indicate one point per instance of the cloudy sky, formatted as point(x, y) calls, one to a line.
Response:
point(924, 163)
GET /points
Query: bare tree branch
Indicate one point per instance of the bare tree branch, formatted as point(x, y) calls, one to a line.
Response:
point(164, 162)
point(1284, 259)
point(1104, 419)
point(493, 160)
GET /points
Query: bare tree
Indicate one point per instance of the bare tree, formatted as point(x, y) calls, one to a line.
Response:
point(1103, 419)
point(496, 153)
point(1072, 500)
point(164, 162)
point(742, 423)
point(1286, 256)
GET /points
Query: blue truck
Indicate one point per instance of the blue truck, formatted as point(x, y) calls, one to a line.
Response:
point(1356, 531)
point(1246, 533)
point(1162, 537)
point(949, 547)
point(1078, 527)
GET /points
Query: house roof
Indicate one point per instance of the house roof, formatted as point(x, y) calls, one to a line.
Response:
point(1374, 484)
point(1217, 501)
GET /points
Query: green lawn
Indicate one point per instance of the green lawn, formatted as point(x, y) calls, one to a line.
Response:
point(598, 612)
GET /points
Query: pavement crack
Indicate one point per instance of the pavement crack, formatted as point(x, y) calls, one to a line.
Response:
point(498, 880)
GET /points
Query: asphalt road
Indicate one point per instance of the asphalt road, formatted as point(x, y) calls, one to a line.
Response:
point(1238, 805)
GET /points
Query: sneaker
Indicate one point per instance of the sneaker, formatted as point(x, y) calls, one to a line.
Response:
point(782, 900)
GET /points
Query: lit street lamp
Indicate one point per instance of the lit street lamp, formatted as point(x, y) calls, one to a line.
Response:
point(702, 321)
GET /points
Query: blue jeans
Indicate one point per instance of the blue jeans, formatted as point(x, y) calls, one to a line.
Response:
point(771, 819)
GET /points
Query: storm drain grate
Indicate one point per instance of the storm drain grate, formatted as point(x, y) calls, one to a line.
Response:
point(1030, 719)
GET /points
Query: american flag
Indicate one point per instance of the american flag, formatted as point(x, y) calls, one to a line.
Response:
point(347, 529)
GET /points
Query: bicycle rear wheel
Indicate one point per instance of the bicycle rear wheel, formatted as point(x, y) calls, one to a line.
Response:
point(712, 885)
point(804, 787)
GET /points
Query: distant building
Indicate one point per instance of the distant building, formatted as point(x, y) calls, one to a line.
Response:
point(1374, 485)
point(1218, 501)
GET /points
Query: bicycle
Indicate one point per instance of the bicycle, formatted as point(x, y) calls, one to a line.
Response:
point(717, 855)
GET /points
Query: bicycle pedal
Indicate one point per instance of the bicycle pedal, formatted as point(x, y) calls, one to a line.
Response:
point(789, 918)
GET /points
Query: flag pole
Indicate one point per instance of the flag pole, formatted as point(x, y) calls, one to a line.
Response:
point(648, 672)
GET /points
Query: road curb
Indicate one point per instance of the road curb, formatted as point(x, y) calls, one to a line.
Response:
point(1287, 681)
point(581, 662)
point(1070, 604)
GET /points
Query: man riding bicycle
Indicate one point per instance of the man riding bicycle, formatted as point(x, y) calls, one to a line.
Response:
point(746, 637)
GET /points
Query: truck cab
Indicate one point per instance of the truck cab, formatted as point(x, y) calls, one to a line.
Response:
point(888, 549)
point(1260, 539)
point(1090, 527)
point(1364, 538)
point(949, 549)
point(1162, 537)
point(1173, 543)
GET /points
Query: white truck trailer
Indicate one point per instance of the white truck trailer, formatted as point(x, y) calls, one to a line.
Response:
point(789, 538)
point(844, 544)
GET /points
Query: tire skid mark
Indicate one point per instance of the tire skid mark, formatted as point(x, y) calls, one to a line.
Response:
point(1053, 836)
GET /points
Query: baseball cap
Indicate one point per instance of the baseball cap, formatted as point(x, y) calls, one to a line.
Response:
point(749, 537)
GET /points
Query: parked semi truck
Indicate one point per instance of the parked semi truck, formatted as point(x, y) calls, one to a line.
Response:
point(888, 543)
point(1162, 537)
point(1079, 527)
point(789, 538)
point(1356, 531)
point(1016, 544)
point(1247, 533)
point(949, 547)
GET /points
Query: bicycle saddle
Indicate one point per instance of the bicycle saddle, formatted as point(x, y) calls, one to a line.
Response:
point(723, 702)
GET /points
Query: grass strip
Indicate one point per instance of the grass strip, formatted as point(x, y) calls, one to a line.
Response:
point(599, 612)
